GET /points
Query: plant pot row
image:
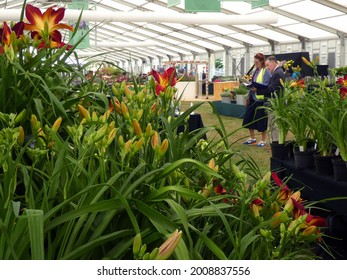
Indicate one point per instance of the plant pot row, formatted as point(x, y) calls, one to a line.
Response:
point(323, 165)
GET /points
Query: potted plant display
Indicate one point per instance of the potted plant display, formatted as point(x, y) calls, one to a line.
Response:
point(278, 106)
point(227, 96)
point(334, 120)
point(241, 92)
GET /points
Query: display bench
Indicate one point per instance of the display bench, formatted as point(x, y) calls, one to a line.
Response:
point(218, 88)
point(230, 109)
point(322, 189)
point(316, 187)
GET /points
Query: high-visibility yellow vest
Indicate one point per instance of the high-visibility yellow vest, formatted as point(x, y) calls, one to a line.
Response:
point(260, 80)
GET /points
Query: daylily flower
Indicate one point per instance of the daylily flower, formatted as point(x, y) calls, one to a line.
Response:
point(343, 92)
point(316, 221)
point(168, 78)
point(284, 191)
point(256, 205)
point(5, 34)
point(221, 191)
point(46, 25)
point(297, 84)
point(311, 220)
point(295, 197)
point(343, 83)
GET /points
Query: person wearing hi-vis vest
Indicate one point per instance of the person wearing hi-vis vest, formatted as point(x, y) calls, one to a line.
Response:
point(255, 116)
point(275, 85)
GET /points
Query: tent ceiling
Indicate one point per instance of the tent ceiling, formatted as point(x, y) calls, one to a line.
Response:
point(308, 20)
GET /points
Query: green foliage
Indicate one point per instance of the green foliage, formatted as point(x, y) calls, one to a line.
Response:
point(241, 89)
point(91, 187)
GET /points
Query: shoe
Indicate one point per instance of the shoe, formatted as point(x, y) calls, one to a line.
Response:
point(250, 141)
point(261, 144)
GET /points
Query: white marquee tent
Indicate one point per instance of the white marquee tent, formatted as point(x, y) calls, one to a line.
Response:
point(146, 33)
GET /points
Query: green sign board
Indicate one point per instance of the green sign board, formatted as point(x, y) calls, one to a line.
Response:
point(202, 5)
point(255, 3)
point(259, 3)
point(82, 28)
point(171, 3)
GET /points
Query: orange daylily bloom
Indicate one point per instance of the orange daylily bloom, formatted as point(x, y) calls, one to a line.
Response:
point(168, 78)
point(297, 84)
point(46, 25)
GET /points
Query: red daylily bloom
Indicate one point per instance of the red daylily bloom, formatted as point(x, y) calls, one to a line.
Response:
point(343, 92)
point(256, 205)
point(46, 25)
point(168, 78)
point(299, 209)
point(292, 202)
point(219, 189)
point(53, 45)
point(5, 33)
point(342, 81)
point(285, 192)
point(316, 221)
point(297, 84)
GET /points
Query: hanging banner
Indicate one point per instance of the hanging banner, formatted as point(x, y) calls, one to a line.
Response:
point(202, 6)
point(259, 3)
point(82, 28)
point(256, 2)
point(171, 3)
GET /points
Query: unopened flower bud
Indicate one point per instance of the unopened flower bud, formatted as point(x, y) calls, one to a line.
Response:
point(238, 174)
point(310, 231)
point(137, 128)
point(111, 136)
point(153, 107)
point(169, 246)
point(127, 146)
point(139, 114)
point(137, 244)
point(138, 145)
point(95, 117)
point(154, 254)
point(83, 112)
point(308, 63)
point(155, 140)
point(20, 116)
point(21, 136)
point(143, 250)
point(149, 130)
point(100, 133)
point(57, 124)
point(164, 146)
point(125, 110)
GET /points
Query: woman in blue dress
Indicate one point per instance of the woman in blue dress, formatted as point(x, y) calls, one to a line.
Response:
point(255, 117)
